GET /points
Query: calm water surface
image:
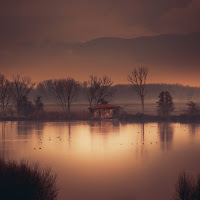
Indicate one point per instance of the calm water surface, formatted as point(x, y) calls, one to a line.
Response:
point(107, 160)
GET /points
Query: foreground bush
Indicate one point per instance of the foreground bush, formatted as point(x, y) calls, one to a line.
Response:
point(187, 187)
point(26, 182)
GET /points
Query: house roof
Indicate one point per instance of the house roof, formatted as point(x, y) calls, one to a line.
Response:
point(103, 106)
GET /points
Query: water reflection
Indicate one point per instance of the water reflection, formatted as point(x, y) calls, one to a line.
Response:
point(105, 159)
point(3, 137)
point(166, 133)
point(104, 127)
point(27, 128)
point(142, 133)
point(3, 130)
point(193, 128)
point(141, 150)
point(69, 134)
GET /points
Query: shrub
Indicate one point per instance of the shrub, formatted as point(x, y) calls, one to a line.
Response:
point(26, 182)
point(187, 187)
point(193, 108)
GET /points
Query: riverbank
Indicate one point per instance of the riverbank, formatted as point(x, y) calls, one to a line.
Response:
point(87, 116)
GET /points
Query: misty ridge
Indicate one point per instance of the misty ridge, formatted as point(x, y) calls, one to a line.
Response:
point(151, 48)
point(171, 47)
point(166, 49)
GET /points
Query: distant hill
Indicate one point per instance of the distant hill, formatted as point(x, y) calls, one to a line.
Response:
point(168, 49)
point(170, 58)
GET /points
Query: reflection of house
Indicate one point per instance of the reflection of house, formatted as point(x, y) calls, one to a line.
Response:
point(104, 111)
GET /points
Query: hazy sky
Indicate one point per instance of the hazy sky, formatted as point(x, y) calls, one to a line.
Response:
point(28, 26)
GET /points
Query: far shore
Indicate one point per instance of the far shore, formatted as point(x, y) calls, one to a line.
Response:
point(86, 116)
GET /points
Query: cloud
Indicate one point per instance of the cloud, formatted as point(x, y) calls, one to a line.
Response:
point(182, 20)
point(35, 34)
point(81, 20)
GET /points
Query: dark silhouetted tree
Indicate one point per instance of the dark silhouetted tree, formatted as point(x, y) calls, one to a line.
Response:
point(93, 86)
point(165, 104)
point(26, 107)
point(39, 106)
point(99, 89)
point(66, 90)
point(138, 79)
point(104, 91)
point(46, 88)
point(5, 94)
point(193, 108)
point(20, 87)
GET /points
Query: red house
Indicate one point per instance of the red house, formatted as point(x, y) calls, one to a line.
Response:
point(104, 111)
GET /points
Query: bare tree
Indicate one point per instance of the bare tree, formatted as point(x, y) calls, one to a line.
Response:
point(5, 94)
point(105, 91)
point(138, 79)
point(39, 106)
point(45, 88)
point(98, 89)
point(93, 88)
point(66, 91)
point(20, 87)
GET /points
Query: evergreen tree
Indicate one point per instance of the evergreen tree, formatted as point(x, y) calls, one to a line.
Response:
point(161, 103)
point(165, 104)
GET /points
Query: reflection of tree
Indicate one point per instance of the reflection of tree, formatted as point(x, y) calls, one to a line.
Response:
point(5, 141)
point(193, 128)
point(142, 140)
point(69, 134)
point(26, 128)
point(3, 145)
point(142, 133)
point(3, 124)
point(69, 130)
point(141, 148)
point(166, 135)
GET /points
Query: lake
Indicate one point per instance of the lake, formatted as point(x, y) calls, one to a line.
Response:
point(107, 160)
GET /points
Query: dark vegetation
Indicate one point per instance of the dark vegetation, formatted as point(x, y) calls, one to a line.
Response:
point(98, 89)
point(187, 187)
point(22, 99)
point(26, 182)
point(165, 104)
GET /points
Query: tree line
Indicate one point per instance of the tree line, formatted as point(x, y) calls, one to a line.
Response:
point(14, 93)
